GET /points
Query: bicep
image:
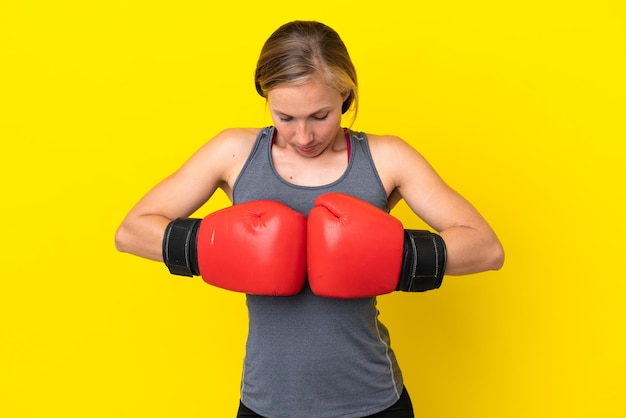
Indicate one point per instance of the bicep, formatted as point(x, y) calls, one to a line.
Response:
point(440, 206)
point(214, 165)
point(472, 245)
point(178, 195)
point(426, 193)
point(181, 193)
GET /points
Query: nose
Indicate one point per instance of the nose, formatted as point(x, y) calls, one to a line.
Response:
point(303, 134)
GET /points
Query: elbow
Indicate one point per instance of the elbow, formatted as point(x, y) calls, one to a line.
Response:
point(121, 240)
point(497, 256)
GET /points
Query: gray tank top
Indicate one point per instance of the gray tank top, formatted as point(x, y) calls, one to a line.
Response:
point(307, 356)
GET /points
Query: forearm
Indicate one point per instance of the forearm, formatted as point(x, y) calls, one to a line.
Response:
point(142, 235)
point(470, 250)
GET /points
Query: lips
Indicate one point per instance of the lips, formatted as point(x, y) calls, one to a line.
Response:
point(307, 150)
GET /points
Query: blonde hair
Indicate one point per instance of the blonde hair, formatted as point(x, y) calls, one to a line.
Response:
point(300, 50)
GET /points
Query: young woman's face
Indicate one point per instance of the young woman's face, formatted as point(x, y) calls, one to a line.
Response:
point(307, 117)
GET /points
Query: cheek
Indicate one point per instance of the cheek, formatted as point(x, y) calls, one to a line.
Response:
point(284, 129)
point(328, 130)
point(330, 125)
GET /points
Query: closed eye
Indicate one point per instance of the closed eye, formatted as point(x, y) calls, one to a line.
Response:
point(321, 117)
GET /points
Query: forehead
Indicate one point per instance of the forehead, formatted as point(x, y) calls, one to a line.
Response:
point(314, 89)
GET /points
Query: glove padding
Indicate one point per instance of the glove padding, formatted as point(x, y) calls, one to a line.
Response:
point(256, 247)
point(355, 249)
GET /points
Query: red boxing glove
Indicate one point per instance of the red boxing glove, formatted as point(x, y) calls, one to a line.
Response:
point(357, 250)
point(257, 247)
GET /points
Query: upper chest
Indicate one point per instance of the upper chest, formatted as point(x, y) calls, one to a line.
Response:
point(310, 172)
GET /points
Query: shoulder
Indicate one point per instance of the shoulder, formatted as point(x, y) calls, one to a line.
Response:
point(235, 138)
point(221, 155)
point(385, 142)
point(239, 133)
point(391, 151)
point(226, 153)
point(229, 145)
point(398, 163)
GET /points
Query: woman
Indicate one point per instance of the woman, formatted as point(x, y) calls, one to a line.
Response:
point(309, 355)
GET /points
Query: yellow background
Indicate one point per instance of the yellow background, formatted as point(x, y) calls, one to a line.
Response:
point(519, 106)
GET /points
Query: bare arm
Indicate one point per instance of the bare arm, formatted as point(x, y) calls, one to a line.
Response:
point(472, 245)
point(215, 165)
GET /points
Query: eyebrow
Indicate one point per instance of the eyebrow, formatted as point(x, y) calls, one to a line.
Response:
point(323, 109)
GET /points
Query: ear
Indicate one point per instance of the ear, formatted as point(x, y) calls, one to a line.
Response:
point(347, 102)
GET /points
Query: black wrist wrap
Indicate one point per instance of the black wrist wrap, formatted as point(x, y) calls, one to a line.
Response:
point(423, 263)
point(180, 252)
